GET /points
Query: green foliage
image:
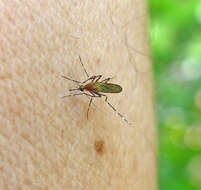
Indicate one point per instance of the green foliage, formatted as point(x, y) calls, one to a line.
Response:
point(175, 32)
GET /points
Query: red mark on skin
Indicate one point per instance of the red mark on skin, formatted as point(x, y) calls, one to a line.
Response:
point(99, 147)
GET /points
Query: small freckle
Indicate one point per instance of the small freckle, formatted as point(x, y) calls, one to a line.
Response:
point(99, 146)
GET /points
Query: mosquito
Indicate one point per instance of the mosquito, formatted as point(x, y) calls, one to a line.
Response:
point(94, 87)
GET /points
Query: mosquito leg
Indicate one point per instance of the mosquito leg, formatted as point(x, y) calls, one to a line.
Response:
point(73, 95)
point(92, 78)
point(83, 66)
point(78, 94)
point(120, 115)
point(91, 99)
point(106, 80)
point(71, 79)
point(109, 102)
point(92, 96)
point(98, 78)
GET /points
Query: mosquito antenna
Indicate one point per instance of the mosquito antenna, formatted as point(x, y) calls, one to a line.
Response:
point(71, 79)
point(83, 66)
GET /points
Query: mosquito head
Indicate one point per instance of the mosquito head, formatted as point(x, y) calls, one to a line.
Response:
point(81, 88)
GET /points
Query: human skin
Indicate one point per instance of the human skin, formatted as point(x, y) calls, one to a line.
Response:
point(46, 142)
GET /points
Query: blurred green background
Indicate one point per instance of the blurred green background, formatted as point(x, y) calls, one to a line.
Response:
point(175, 30)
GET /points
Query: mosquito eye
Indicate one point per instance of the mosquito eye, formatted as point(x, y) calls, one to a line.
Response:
point(81, 89)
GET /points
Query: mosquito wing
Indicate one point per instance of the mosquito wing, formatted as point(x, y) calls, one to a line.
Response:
point(107, 87)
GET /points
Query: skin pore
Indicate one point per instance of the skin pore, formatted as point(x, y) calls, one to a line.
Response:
point(47, 142)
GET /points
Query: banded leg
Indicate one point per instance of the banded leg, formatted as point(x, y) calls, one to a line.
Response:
point(83, 66)
point(93, 78)
point(100, 95)
point(91, 99)
point(98, 78)
point(78, 94)
point(71, 79)
point(106, 80)
point(93, 96)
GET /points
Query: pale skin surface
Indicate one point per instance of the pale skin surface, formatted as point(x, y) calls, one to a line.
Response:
point(46, 142)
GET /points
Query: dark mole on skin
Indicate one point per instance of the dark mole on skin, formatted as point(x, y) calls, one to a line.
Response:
point(99, 146)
